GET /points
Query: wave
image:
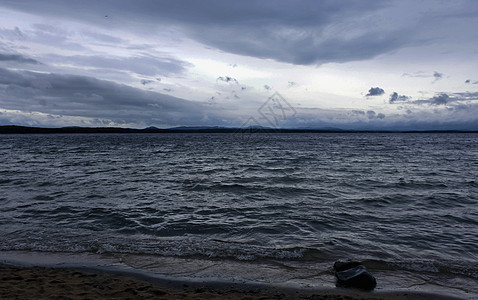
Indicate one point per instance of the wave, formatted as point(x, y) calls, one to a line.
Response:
point(296, 198)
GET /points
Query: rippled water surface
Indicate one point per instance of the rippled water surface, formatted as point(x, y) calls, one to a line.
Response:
point(406, 202)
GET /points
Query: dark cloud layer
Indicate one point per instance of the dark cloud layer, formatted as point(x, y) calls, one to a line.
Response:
point(296, 32)
point(70, 95)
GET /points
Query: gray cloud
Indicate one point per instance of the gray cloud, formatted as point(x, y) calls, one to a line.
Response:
point(146, 65)
point(86, 98)
point(12, 34)
point(53, 35)
point(148, 81)
point(444, 99)
point(358, 112)
point(81, 96)
point(17, 58)
point(441, 99)
point(304, 48)
point(437, 76)
point(455, 99)
point(105, 38)
point(375, 91)
point(464, 96)
point(396, 97)
point(227, 79)
point(299, 32)
point(419, 74)
point(371, 114)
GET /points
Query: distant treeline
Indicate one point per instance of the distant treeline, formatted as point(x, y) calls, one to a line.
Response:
point(12, 129)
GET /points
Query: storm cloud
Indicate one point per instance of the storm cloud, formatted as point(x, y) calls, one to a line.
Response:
point(300, 32)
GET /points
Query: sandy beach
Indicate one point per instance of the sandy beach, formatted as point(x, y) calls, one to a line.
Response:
point(65, 283)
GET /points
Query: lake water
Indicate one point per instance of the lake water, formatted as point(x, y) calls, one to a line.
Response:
point(272, 208)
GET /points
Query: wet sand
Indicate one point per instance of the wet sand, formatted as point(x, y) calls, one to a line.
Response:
point(69, 283)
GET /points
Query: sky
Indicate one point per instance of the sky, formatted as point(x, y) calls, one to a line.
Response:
point(368, 64)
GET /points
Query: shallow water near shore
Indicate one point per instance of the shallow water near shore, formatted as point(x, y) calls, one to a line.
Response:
point(186, 273)
point(277, 208)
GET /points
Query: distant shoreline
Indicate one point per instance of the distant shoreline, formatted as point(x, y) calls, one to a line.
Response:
point(14, 129)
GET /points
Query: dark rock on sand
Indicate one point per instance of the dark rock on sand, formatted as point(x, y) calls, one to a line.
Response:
point(353, 274)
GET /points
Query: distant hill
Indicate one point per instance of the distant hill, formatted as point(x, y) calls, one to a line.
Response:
point(322, 128)
point(196, 127)
point(13, 129)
